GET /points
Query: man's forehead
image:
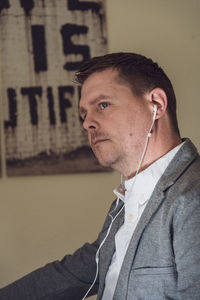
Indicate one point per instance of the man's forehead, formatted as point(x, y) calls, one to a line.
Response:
point(99, 77)
point(102, 79)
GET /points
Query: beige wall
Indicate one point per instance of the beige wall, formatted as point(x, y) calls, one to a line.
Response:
point(42, 218)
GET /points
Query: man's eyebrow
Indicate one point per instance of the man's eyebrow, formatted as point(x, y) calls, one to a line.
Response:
point(83, 110)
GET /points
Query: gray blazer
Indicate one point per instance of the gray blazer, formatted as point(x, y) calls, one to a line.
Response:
point(162, 260)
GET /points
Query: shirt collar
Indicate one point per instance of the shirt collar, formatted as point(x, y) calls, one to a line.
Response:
point(151, 175)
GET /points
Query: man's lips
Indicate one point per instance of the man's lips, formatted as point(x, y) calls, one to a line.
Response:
point(96, 142)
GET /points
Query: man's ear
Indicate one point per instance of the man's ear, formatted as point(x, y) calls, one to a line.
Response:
point(158, 97)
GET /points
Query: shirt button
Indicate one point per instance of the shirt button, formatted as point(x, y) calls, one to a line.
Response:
point(130, 217)
point(141, 196)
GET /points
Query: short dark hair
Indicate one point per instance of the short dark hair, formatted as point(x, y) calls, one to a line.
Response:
point(141, 73)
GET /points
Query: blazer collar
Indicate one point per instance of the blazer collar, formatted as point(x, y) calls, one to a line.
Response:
point(183, 158)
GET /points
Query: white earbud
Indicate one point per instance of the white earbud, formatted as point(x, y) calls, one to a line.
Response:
point(155, 108)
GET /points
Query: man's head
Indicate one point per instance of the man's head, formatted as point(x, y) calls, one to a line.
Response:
point(139, 72)
point(118, 95)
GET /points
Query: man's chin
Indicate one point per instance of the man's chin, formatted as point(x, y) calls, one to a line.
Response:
point(105, 162)
point(104, 157)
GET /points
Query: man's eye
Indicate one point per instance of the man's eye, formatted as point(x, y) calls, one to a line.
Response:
point(103, 105)
point(82, 118)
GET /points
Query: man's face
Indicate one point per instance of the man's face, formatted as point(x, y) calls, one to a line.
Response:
point(116, 120)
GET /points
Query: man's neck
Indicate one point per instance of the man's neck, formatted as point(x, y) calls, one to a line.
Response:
point(154, 151)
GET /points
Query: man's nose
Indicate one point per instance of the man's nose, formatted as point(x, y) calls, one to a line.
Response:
point(90, 122)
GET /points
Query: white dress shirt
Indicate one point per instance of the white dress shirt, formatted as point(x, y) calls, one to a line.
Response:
point(138, 192)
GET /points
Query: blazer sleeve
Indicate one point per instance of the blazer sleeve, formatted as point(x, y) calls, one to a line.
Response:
point(67, 279)
point(186, 243)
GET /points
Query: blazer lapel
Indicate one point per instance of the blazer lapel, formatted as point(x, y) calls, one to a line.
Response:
point(108, 249)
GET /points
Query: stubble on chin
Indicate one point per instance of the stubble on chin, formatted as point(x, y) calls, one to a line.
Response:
point(107, 159)
point(104, 152)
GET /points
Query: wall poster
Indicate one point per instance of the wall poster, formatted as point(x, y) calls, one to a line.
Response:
point(42, 44)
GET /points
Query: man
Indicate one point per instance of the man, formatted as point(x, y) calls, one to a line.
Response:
point(149, 247)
